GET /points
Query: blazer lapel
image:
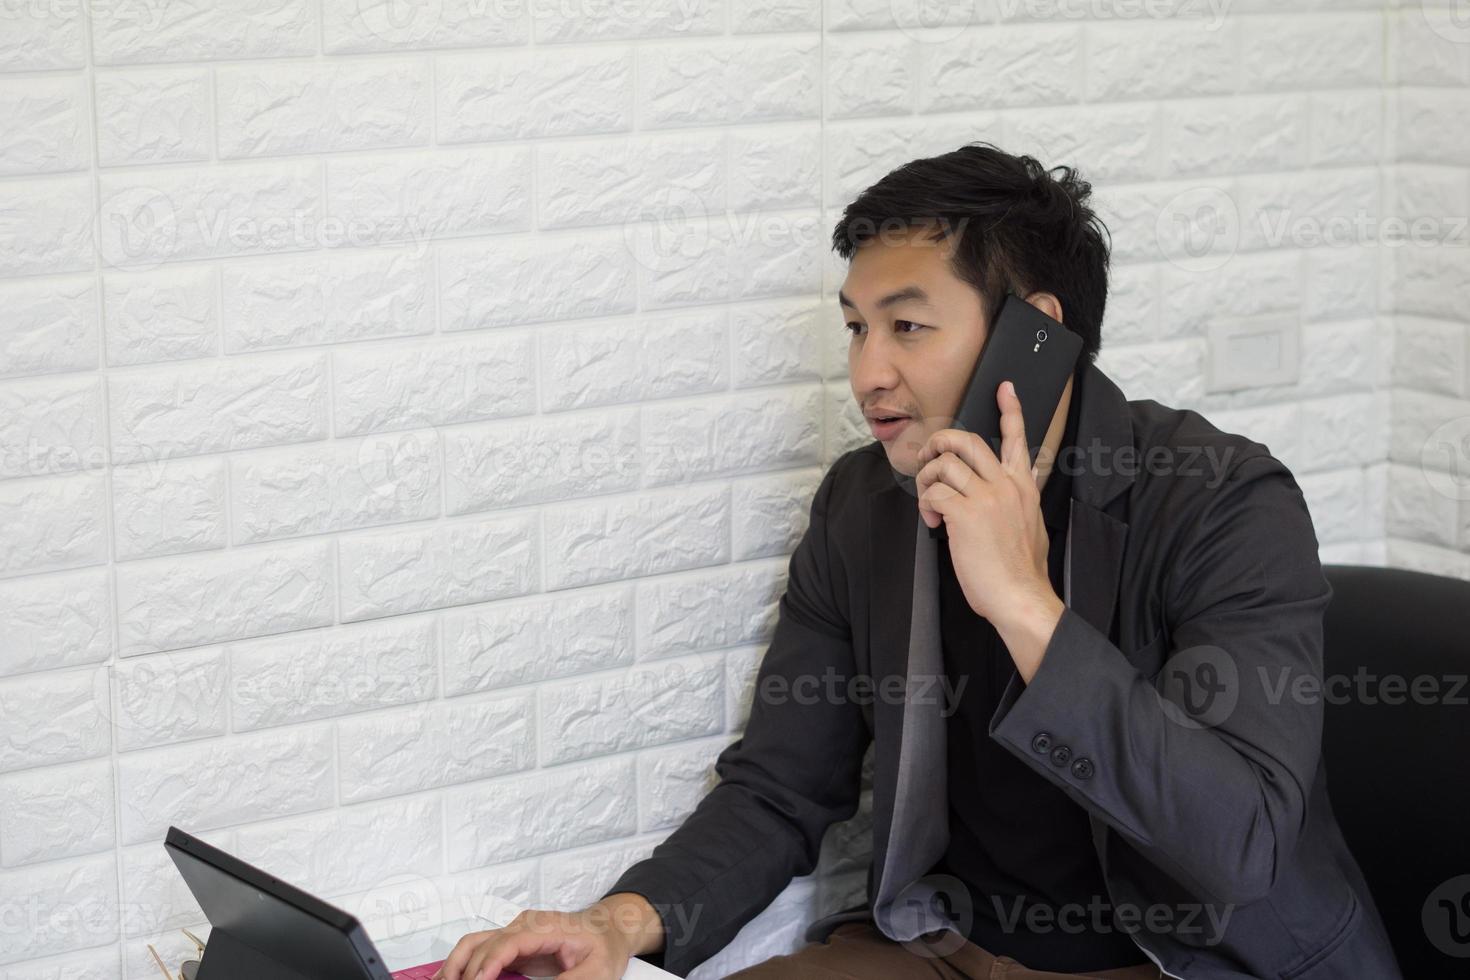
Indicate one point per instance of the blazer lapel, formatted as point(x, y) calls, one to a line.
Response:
point(893, 519)
point(910, 796)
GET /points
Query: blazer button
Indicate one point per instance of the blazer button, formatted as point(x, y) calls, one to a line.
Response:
point(1082, 768)
point(1061, 755)
point(1042, 742)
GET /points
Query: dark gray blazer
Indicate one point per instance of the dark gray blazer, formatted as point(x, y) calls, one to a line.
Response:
point(1193, 592)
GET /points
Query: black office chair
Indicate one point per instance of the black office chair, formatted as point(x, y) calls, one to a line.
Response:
point(1399, 774)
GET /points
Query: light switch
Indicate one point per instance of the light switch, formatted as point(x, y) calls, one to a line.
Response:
point(1254, 352)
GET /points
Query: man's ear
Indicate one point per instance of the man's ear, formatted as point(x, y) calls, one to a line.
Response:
point(1048, 304)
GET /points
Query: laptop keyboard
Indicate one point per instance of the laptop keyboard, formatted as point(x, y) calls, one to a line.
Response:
point(428, 970)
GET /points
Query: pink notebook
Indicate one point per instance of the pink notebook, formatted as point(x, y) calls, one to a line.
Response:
point(427, 970)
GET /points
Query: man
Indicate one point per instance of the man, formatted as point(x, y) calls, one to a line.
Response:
point(1105, 784)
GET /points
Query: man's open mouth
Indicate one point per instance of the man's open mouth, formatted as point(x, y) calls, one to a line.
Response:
point(887, 427)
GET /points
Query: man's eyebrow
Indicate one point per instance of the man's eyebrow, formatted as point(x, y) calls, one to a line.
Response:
point(913, 294)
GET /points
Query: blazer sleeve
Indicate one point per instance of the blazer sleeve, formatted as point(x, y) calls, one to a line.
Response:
point(794, 771)
point(1207, 769)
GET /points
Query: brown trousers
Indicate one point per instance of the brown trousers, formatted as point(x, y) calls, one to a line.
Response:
point(858, 951)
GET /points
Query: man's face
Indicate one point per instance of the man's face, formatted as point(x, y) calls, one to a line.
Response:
point(911, 356)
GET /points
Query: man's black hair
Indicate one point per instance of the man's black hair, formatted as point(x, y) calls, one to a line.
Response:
point(1019, 228)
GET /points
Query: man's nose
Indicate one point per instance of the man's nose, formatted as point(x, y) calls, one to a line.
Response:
point(874, 369)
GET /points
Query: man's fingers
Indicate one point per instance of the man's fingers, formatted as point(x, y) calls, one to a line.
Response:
point(948, 473)
point(454, 963)
point(973, 450)
point(949, 469)
point(938, 500)
point(510, 946)
point(1013, 448)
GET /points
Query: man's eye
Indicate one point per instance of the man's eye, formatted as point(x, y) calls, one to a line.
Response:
point(851, 324)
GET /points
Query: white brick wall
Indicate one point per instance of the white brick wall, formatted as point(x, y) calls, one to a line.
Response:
point(1423, 484)
point(405, 422)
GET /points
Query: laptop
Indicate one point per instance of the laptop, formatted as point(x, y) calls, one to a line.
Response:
point(262, 928)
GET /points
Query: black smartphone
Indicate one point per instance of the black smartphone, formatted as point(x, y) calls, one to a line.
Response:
point(1038, 355)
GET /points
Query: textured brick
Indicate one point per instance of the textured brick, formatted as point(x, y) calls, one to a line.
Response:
point(52, 522)
point(576, 879)
point(501, 644)
point(707, 83)
point(391, 839)
point(387, 478)
point(1293, 51)
point(605, 22)
point(218, 783)
point(317, 107)
point(448, 564)
point(43, 36)
point(62, 907)
point(504, 464)
point(729, 257)
point(169, 697)
point(418, 197)
point(538, 279)
point(871, 75)
point(435, 745)
point(153, 116)
point(632, 708)
point(240, 404)
point(47, 125)
point(664, 531)
point(327, 300)
point(162, 508)
point(166, 315)
point(775, 166)
point(52, 717)
point(859, 153)
point(51, 426)
point(170, 603)
point(672, 781)
point(322, 673)
point(146, 218)
point(607, 181)
point(1347, 128)
point(525, 94)
point(776, 342)
point(555, 809)
point(1001, 66)
point(204, 30)
point(1168, 60)
point(754, 430)
point(1231, 135)
point(351, 26)
point(48, 328)
point(1109, 143)
point(770, 513)
point(710, 609)
point(626, 360)
point(48, 226)
point(56, 813)
point(61, 620)
point(433, 384)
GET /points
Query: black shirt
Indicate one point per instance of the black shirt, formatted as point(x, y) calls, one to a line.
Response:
point(1012, 833)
